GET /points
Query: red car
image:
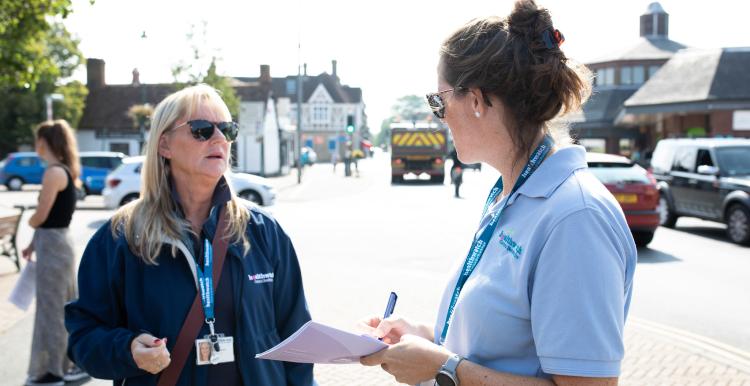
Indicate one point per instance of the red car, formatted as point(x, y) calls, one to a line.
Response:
point(634, 188)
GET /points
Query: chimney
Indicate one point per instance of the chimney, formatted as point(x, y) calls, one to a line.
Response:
point(265, 73)
point(94, 73)
point(136, 78)
point(305, 69)
point(333, 64)
point(655, 22)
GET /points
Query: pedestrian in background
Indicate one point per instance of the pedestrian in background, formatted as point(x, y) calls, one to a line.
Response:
point(457, 173)
point(55, 254)
point(145, 276)
point(543, 293)
point(334, 158)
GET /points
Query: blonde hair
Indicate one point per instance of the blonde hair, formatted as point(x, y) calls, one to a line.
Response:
point(61, 142)
point(154, 215)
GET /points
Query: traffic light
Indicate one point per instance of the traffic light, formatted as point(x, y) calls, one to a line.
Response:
point(350, 124)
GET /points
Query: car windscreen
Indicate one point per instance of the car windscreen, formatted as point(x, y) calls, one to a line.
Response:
point(614, 173)
point(734, 161)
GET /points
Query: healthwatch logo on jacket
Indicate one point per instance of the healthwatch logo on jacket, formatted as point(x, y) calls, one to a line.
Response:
point(509, 244)
point(260, 278)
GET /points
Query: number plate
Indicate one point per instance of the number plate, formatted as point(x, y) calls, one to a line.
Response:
point(626, 198)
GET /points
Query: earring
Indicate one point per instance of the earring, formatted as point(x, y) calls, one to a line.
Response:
point(476, 114)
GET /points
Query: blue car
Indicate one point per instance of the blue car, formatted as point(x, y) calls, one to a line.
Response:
point(95, 165)
point(21, 168)
point(26, 168)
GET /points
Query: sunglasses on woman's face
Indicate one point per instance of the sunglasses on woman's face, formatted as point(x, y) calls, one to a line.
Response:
point(203, 130)
point(436, 102)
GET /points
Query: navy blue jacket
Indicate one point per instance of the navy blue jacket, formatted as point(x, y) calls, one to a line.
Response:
point(121, 297)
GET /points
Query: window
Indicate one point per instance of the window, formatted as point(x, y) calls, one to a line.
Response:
point(594, 145)
point(684, 160)
point(626, 147)
point(652, 70)
point(320, 113)
point(638, 75)
point(626, 75)
point(605, 76)
point(734, 161)
point(704, 158)
point(27, 161)
point(610, 75)
point(119, 147)
point(291, 86)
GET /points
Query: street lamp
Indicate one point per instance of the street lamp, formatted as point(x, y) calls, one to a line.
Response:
point(48, 99)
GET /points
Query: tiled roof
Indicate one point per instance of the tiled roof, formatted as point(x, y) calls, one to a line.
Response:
point(107, 107)
point(698, 75)
point(647, 48)
point(340, 93)
point(601, 109)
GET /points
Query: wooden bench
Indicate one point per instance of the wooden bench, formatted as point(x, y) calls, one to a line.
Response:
point(8, 230)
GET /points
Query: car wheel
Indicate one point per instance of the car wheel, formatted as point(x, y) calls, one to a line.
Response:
point(642, 238)
point(14, 183)
point(667, 217)
point(128, 198)
point(438, 179)
point(251, 196)
point(397, 179)
point(738, 224)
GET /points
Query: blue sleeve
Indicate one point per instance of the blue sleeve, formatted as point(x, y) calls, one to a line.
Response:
point(578, 298)
point(98, 343)
point(289, 300)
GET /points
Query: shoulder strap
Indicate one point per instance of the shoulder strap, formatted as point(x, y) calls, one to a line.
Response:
point(191, 327)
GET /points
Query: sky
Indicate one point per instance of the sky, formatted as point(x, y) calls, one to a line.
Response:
point(388, 48)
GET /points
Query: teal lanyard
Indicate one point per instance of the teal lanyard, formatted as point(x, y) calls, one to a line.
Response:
point(206, 282)
point(480, 244)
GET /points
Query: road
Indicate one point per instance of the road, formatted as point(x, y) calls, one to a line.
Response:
point(359, 238)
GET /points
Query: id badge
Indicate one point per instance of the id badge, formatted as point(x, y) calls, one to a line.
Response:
point(214, 350)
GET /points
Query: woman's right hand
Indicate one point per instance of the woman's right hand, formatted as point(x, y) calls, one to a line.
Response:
point(393, 328)
point(150, 353)
point(26, 252)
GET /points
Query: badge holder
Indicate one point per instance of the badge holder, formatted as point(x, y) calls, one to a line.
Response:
point(214, 348)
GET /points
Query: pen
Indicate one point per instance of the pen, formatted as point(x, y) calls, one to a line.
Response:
point(391, 305)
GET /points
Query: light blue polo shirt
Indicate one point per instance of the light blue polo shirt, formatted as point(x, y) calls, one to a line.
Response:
point(552, 291)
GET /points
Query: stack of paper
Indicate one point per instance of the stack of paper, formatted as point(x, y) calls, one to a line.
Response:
point(318, 343)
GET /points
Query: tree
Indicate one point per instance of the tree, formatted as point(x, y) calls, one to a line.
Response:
point(408, 108)
point(24, 27)
point(52, 55)
point(188, 73)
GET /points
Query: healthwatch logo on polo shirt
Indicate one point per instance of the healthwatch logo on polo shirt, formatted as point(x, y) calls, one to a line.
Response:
point(260, 278)
point(509, 244)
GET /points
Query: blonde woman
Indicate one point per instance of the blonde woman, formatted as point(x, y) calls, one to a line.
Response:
point(141, 271)
point(56, 145)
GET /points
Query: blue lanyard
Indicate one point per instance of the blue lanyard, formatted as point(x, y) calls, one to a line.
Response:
point(480, 244)
point(206, 282)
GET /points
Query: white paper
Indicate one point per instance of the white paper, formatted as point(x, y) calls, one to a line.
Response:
point(318, 343)
point(25, 290)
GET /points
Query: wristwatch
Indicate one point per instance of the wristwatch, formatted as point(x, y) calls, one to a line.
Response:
point(447, 375)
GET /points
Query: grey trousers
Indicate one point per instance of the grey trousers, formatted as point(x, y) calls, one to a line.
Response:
point(55, 286)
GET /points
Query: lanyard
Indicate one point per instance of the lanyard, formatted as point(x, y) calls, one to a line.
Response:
point(480, 244)
point(206, 284)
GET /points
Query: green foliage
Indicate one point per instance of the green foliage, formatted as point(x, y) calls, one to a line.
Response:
point(188, 73)
point(74, 100)
point(31, 66)
point(407, 108)
point(24, 29)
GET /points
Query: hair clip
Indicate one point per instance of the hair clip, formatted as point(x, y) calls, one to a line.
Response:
point(550, 34)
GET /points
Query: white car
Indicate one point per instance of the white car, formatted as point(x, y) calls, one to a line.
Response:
point(124, 185)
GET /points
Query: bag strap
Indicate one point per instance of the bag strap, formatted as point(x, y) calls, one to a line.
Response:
point(191, 327)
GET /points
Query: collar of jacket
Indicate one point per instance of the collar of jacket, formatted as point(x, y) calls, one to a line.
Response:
point(221, 196)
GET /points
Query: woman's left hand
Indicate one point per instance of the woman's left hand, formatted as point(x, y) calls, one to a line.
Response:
point(410, 361)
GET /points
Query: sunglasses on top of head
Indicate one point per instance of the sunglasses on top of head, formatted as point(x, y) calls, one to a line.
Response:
point(203, 130)
point(436, 102)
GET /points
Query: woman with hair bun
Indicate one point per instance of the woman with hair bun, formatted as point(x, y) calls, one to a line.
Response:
point(542, 295)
